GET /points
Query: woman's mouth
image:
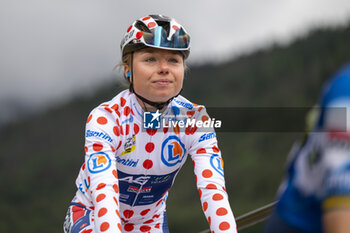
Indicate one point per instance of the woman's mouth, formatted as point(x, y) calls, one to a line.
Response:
point(162, 82)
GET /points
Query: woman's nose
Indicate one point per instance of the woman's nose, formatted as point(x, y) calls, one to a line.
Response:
point(163, 66)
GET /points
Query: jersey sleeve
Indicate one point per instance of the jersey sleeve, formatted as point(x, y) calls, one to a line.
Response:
point(209, 173)
point(100, 145)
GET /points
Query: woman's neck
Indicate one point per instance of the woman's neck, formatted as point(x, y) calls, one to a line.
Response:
point(148, 108)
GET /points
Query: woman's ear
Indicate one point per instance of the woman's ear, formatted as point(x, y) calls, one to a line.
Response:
point(126, 71)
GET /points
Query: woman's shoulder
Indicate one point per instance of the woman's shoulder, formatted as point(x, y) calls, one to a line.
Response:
point(116, 105)
point(182, 102)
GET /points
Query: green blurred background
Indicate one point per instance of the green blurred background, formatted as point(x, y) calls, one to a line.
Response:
point(41, 155)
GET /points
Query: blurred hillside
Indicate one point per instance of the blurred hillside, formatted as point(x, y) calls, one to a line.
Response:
point(41, 156)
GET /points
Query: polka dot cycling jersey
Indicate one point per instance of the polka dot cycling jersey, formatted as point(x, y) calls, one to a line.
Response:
point(123, 184)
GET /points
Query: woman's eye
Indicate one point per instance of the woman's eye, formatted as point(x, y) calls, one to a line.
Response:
point(150, 59)
point(173, 60)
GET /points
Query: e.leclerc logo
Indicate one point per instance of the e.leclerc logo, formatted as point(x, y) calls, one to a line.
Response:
point(173, 151)
point(98, 162)
point(217, 163)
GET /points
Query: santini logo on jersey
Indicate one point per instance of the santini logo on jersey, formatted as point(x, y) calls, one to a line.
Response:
point(90, 133)
point(186, 105)
point(127, 162)
point(207, 136)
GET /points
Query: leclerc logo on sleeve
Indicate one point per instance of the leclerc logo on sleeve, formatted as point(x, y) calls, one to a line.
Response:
point(173, 151)
point(217, 163)
point(151, 120)
point(98, 162)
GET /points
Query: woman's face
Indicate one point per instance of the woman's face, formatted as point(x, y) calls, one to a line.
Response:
point(158, 73)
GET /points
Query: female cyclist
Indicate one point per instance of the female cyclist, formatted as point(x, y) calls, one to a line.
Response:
point(131, 157)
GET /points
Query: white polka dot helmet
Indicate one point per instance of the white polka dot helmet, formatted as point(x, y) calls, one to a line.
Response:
point(156, 31)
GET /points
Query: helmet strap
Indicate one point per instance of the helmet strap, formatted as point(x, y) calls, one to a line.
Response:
point(157, 105)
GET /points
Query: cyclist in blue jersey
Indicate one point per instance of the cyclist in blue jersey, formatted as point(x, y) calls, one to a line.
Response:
point(129, 167)
point(315, 195)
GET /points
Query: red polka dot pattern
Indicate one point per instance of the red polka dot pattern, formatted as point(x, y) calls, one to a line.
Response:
point(190, 113)
point(108, 109)
point(139, 35)
point(102, 120)
point(144, 212)
point(148, 164)
point(104, 226)
point(213, 200)
point(115, 174)
point(160, 201)
point(151, 132)
point(176, 129)
point(102, 212)
point(151, 25)
point(89, 119)
point(120, 143)
point(116, 202)
point(100, 197)
point(217, 197)
point(97, 147)
point(165, 130)
point(205, 118)
point(211, 186)
point(205, 206)
point(129, 29)
point(115, 107)
point(207, 173)
point(122, 100)
point(127, 111)
point(221, 211)
point(216, 149)
point(145, 228)
point(149, 147)
point(101, 186)
point(149, 221)
point(127, 128)
point(224, 226)
point(201, 151)
point(136, 129)
point(129, 227)
point(116, 188)
point(128, 213)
